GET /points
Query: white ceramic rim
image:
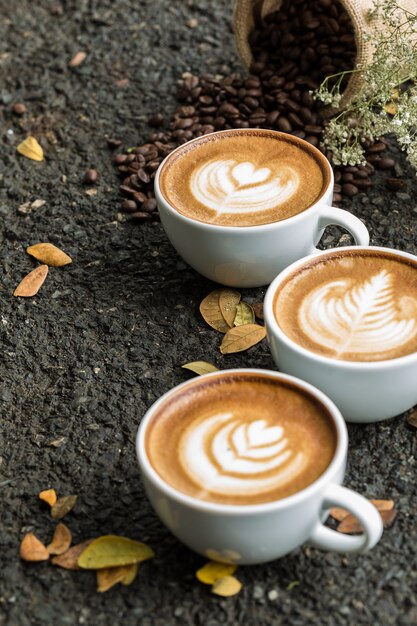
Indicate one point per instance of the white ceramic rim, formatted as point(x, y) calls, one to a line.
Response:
point(336, 463)
point(271, 225)
point(274, 328)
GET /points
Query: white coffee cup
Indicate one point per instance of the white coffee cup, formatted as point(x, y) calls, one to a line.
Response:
point(364, 391)
point(248, 534)
point(251, 256)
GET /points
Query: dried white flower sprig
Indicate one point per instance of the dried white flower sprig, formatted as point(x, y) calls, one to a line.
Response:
point(381, 106)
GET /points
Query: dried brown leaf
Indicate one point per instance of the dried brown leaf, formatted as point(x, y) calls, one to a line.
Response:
point(350, 525)
point(32, 282)
point(77, 59)
point(69, 559)
point(412, 418)
point(258, 307)
point(49, 496)
point(244, 314)
point(210, 310)
point(340, 514)
point(228, 301)
point(32, 549)
point(49, 254)
point(200, 367)
point(63, 506)
point(61, 540)
point(31, 149)
point(241, 338)
point(110, 576)
point(226, 586)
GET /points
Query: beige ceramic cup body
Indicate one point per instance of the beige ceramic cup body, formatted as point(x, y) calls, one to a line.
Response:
point(364, 391)
point(251, 256)
point(248, 534)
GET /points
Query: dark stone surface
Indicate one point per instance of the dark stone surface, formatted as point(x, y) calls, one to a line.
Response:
point(107, 335)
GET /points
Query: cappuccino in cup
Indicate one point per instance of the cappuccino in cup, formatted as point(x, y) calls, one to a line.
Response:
point(241, 439)
point(345, 320)
point(244, 178)
point(241, 465)
point(241, 205)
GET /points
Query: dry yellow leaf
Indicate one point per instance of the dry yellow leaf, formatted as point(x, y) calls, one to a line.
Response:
point(112, 551)
point(49, 254)
point(244, 314)
point(61, 540)
point(63, 506)
point(32, 282)
point(210, 310)
point(226, 586)
point(131, 575)
point(340, 514)
point(390, 108)
point(31, 149)
point(241, 338)
point(32, 549)
point(228, 301)
point(200, 367)
point(49, 496)
point(69, 560)
point(110, 576)
point(212, 571)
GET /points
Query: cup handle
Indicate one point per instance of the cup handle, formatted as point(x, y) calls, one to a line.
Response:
point(332, 216)
point(328, 539)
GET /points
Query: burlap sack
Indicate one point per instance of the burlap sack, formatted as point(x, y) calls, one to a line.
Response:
point(243, 22)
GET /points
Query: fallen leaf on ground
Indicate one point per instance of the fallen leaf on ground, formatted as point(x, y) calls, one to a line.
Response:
point(241, 338)
point(228, 301)
point(210, 310)
point(110, 576)
point(258, 307)
point(56, 443)
point(61, 540)
point(63, 506)
point(244, 314)
point(32, 282)
point(28, 207)
point(49, 254)
point(350, 525)
point(226, 586)
point(69, 559)
point(131, 575)
point(339, 514)
point(212, 571)
point(32, 549)
point(31, 149)
point(412, 418)
point(77, 59)
point(113, 551)
point(49, 496)
point(200, 367)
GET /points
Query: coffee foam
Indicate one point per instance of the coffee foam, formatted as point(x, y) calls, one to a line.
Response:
point(355, 306)
point(243, 178)
point(241, 440)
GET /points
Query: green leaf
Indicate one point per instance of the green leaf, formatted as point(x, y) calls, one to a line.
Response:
point(244, 314)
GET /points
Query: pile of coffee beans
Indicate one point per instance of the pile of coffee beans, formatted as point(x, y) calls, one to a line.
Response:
point(294, 49)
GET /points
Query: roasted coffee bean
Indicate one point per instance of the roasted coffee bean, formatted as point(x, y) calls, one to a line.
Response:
point(143, 176)
point(385, 163)
point(91, 177)
point(376, 148)
point(129, 206)
point(395, 184)
point(284, 125)
point(349, 190)
point(113, 143)
point(139, 196)
point(149, 205)
point(140, 215)
point(156, 120)
point(19, 108)
point(119, 159)
point(362, 183)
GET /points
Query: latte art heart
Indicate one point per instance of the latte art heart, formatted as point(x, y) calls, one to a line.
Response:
point(225, 455)
point(364, 319)
point(227, 186)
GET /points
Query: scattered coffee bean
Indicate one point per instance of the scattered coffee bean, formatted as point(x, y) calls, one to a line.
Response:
point(91, 177)
point(349, 190)
point(19, 108)
point(156, 120)
point(113, 143)
point(395, 184)
point(129, 206)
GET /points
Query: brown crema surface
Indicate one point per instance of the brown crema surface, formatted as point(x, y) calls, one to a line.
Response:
point(354, 306)
point(192, 441)
point(244, 178)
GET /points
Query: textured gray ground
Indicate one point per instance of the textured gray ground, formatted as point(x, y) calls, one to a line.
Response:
point(107, 335)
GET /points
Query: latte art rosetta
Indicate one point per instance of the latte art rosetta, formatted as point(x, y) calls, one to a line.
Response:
point(227, 186)
point(226, 455)
point(359, 319)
